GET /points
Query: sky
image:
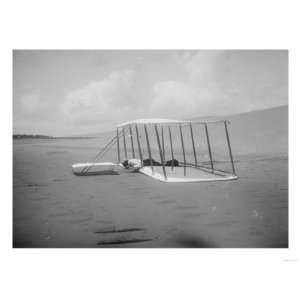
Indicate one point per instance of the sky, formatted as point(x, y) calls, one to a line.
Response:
point(70, 92)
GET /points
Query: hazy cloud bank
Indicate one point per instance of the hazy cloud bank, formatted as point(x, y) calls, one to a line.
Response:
point(208, 83)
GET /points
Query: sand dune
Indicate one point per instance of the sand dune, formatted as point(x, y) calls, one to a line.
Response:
point(54, 208)
point(259, 132)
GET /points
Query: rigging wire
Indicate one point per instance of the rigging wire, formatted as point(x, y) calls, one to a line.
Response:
point(101, 153)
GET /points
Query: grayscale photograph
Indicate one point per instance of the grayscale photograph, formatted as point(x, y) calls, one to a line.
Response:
point(150, 149)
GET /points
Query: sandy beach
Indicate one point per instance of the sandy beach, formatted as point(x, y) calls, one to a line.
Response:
point(54, 208)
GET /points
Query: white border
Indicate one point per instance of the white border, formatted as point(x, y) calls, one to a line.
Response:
point(148, 274)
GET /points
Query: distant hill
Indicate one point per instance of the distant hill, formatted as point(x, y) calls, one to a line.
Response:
point(260, 132)
point(39, 136)
point(264, 131)
point(31, 136)
point(257, 132)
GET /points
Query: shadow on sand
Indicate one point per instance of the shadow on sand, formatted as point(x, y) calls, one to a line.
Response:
point(190, 241)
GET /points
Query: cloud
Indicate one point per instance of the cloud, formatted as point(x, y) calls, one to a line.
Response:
point(173, 98)
point(213, 83)
point(223, 82)
point(199, 94)
point(33, 114)
point(33, 106)
point(65, 92)
point(29, 104)
point(179, 99)
point(119, 97)
point(102, 100)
